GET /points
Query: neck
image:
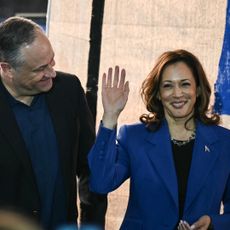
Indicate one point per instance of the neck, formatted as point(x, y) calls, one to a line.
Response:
point(178, 130)
point(26, 99)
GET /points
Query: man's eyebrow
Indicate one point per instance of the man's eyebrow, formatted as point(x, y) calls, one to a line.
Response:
point(40, 67)
point(43, 66)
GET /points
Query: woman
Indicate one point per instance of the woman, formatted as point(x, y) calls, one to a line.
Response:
point(177, 158)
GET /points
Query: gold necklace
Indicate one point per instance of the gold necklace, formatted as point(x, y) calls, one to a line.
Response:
point(181, 143)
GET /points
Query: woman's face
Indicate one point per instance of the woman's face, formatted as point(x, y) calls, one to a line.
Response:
point(178, 92)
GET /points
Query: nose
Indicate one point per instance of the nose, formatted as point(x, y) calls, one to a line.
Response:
point(52, 72)
point(49, 71)
point(177, 92)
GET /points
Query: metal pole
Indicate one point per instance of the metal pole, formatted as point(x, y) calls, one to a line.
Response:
point(94, 54)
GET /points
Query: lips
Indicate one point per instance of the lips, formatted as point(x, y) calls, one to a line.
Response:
point(45, 79)
point(178, 104)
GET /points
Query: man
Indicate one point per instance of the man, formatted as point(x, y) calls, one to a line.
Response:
point(46, 131)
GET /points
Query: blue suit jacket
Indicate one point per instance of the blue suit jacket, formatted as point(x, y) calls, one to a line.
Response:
point(146, 158)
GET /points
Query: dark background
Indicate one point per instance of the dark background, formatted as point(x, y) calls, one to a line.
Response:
point(33, 9)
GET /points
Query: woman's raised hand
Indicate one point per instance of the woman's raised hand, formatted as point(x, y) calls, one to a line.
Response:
point(115, 91)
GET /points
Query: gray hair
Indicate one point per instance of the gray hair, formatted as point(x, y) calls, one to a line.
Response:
point(16, 33)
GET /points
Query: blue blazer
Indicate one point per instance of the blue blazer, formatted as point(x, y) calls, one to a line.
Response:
point(146, 158)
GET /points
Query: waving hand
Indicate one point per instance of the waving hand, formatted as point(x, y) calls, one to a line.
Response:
point(115, 91)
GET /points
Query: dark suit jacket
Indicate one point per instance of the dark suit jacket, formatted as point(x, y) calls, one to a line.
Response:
point(75, 134)
point(147, 159)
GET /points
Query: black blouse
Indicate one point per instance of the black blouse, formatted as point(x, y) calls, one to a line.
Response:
point(182, 159)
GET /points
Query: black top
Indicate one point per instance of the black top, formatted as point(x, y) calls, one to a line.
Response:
point(37, 130)
point(182, 158)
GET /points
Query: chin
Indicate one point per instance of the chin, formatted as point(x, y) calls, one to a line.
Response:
point(182, 115)
point(46, 86)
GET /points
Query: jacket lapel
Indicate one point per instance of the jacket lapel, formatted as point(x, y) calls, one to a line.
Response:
point(160, 154)
point(59, 125)
point(205, 154)
point(10, 130)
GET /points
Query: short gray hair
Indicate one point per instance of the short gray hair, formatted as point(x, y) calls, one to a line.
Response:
point(15, 33)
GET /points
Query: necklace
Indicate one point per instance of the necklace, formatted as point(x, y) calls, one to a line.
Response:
point(181, 143)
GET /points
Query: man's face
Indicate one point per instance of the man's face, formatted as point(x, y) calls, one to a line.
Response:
point(36, 74)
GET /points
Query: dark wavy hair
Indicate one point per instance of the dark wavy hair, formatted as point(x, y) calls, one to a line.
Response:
point(151, 86)
point(15, 33)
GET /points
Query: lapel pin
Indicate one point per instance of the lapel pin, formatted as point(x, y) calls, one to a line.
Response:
point(206, 149)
